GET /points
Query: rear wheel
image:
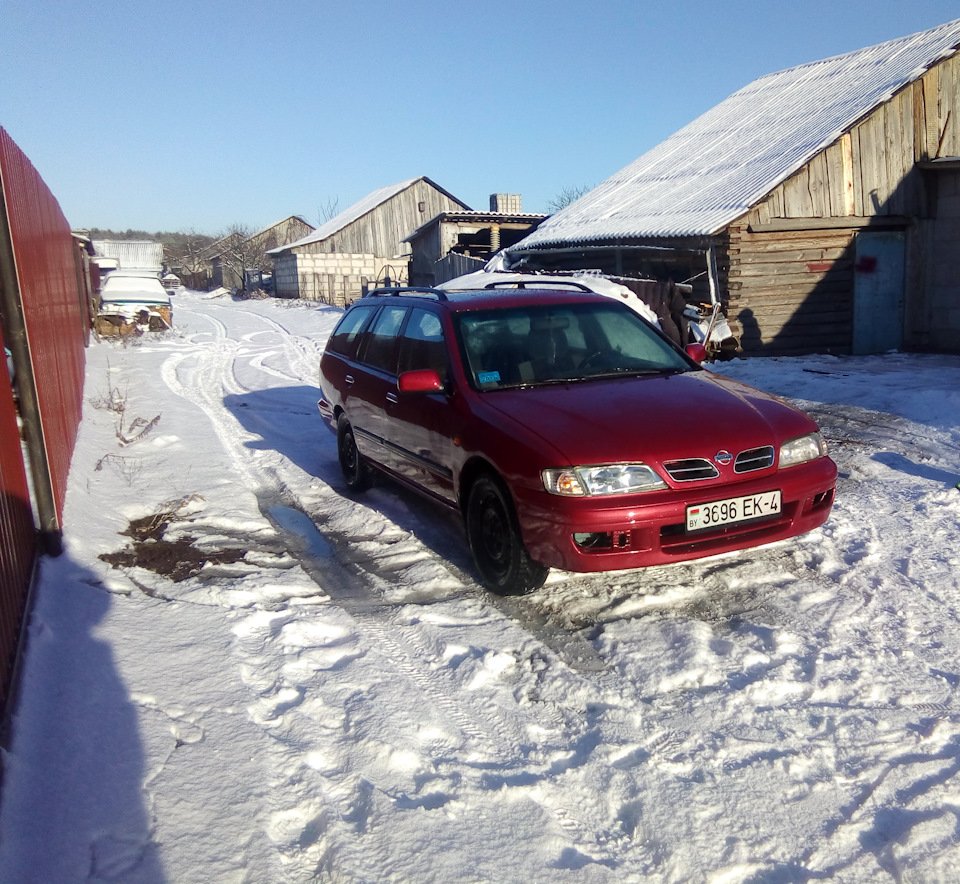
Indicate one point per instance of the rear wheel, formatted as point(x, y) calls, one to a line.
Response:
point(503, 562)
point(356, 471)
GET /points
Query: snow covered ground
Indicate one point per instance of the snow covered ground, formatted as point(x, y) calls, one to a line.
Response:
point(333, 698)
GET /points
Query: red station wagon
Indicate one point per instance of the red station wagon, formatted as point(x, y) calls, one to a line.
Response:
point(567, 431)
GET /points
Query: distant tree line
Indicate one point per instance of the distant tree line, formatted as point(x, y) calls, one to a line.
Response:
point(174, 242)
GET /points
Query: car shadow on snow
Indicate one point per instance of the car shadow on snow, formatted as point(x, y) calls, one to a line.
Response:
point(287, 421)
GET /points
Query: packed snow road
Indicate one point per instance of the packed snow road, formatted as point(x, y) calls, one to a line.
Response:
point(332, 697)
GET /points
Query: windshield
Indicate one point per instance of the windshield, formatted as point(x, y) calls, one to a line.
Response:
point(561, 343)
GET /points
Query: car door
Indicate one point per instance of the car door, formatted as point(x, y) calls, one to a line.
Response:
point(422, 425)
point(375, 383)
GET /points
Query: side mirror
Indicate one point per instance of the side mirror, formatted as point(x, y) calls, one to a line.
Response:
point(423, 380)
point(697, 352)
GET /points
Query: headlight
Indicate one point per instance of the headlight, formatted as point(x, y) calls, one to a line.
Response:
point(802, 449)
point(615, 478)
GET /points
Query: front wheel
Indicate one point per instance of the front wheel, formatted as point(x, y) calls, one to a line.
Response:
point(356, 471)
point(503, 562)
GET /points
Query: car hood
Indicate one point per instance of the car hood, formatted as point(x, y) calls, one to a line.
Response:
point(694, 414)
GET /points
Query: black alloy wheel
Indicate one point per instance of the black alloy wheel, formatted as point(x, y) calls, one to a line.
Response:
point(356, 471)
point(503, 562)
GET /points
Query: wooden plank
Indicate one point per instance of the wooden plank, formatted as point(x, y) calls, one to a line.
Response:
point(931, 107)
point(857, 172)
point(827, 307)
point(796, 195)
point(809, 311)
point(919, 123)
point(773, 325)
point(870, 148)
point(801, 256)
point(781, 288)
point(890, 161)
point(827, 290)
point(952, 102)
point(791, 294)
point(945, 119)
point(762, 212)
point(878, 221)
point(776, 273)
point(796, 239)
point(819, 186)
point(836, 175)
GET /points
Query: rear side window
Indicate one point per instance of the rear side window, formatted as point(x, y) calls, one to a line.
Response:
point(344, 337)
point(380, 343)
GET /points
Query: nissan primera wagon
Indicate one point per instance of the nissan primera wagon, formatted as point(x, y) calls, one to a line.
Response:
point(566, 431)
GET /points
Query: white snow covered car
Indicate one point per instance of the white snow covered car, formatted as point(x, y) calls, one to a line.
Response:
point(131, 303)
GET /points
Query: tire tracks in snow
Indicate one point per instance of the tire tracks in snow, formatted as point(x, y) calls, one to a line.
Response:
point(495, 736)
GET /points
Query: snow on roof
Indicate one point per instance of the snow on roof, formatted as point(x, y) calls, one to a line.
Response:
point(714, 169)
point(356, 211)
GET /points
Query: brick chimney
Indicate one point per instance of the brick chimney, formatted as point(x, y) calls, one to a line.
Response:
point(505, 203)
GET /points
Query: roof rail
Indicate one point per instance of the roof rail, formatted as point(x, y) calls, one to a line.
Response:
point(549, 284)
point(406, 290)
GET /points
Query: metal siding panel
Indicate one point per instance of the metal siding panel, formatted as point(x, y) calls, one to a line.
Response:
point(48, 294)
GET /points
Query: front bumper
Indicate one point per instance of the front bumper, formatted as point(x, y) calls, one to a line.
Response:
point(593, 534)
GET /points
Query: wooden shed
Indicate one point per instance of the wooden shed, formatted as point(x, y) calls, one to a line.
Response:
point(828, 193)
point(477, 235)
point(363, 245)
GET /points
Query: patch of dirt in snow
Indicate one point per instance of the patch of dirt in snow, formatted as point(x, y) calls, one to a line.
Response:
point(177, 559)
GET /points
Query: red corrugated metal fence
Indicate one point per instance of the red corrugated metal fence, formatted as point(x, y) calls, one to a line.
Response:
point(44, 316)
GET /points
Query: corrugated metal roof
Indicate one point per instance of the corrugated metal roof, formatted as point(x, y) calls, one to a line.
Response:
point(717, 167)
point(132, 254)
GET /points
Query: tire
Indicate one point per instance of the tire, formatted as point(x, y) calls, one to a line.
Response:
point(503, 562)
point(355, 469)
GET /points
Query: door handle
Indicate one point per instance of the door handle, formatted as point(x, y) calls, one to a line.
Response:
point(392, 398)
point(348, 379)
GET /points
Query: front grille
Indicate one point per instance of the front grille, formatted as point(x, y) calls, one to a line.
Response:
point(754, 459)
point(691, 469)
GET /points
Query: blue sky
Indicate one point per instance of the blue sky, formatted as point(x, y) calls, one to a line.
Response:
point(198, 114)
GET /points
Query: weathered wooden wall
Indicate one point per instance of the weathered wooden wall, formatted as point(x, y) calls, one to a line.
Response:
point(791, 291)
point(382, 230)
point(789, 261)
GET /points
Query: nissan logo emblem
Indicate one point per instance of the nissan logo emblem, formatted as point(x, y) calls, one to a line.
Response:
point(723, 457)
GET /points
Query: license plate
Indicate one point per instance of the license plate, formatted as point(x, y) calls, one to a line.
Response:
point(732, 510)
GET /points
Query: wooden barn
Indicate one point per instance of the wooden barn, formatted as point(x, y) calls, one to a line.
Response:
point(829, 195)
point(362, 246)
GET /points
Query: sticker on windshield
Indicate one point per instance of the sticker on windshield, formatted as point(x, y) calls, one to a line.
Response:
point(489, 377)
